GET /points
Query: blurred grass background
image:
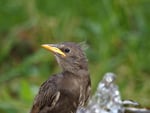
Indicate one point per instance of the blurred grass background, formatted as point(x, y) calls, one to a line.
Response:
point(117, 32)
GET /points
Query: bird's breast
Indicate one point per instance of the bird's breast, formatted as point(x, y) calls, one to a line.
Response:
point(70, 85)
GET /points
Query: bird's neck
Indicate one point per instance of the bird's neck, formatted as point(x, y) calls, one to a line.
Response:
point(73, 67)
point(79, 70)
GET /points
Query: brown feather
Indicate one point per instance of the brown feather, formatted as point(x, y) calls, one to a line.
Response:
point(65, 92)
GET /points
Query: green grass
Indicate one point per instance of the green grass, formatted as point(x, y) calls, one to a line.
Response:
point(117, 32)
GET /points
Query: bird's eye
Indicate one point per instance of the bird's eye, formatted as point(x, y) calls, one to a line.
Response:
point(67, 50)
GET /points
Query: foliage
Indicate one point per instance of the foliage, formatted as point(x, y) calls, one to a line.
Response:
point(116, 31)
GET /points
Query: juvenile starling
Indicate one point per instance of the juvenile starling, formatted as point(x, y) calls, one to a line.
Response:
point(68, 90)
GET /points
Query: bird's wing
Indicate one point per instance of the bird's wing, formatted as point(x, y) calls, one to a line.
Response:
point(46, 98)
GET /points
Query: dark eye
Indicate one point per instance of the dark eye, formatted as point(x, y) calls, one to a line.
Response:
point(67, 50)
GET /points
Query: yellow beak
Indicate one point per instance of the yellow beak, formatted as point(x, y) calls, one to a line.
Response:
point(53, 49)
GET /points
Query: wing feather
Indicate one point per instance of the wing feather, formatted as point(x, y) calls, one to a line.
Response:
point(46, 98)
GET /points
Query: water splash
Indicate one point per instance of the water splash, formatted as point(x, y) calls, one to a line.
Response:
point(107, 98)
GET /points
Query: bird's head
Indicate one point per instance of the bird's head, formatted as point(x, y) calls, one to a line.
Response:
point(70, 56)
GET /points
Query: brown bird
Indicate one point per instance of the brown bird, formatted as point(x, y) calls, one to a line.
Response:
point(68, 90)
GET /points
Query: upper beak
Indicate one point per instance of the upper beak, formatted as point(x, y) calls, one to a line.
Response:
point(53, 48)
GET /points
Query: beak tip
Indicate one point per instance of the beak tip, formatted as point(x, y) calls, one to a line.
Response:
point(44, 45)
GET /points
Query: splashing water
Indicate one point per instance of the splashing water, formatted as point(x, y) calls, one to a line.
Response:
point(107, 98)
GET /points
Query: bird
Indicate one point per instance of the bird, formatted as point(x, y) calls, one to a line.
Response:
point(68, 90)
